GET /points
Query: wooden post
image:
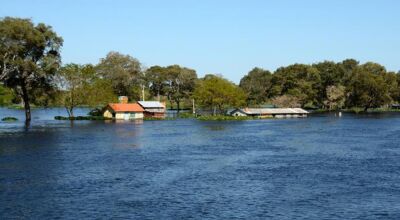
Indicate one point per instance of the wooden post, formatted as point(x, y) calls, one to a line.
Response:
point(193, 108)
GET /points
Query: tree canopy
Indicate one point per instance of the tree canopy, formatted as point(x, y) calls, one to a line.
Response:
point(217, 93)
point(29, 58)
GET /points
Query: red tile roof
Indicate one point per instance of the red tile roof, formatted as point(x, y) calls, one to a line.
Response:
point(130, 107)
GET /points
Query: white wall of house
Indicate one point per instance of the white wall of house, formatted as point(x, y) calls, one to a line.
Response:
point(128, 115)
point(107, 114)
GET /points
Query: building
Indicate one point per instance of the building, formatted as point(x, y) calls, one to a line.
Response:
point(270, 112)
point(153, 109)
point(123, 111)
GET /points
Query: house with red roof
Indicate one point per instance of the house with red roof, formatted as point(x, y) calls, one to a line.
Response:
point(123, 111)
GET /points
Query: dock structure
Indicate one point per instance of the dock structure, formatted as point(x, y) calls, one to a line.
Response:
point(270, 112)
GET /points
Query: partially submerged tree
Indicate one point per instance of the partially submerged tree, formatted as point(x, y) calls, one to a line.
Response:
point(217, 93)
point(180, 83)
point(29, 58)
point(80, 86)
point(74, 81)
point(156, 77)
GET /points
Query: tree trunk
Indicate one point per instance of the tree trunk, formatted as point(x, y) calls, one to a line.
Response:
point(178, 105)
point(70, 111)
point(27, 106)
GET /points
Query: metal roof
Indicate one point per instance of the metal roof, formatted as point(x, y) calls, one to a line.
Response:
point(151, 104)
point(258, 111)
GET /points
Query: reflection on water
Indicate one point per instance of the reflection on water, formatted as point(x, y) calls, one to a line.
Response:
point(321, 167)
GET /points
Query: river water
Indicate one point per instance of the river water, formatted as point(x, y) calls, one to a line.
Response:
point(320, 167)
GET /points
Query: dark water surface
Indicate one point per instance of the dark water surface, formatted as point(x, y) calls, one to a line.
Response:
point(322, 167)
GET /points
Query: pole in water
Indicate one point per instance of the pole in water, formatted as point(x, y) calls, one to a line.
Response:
point(193, 108)
point(340, 114)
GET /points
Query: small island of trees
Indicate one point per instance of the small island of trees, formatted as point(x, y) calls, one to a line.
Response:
point(31, 73)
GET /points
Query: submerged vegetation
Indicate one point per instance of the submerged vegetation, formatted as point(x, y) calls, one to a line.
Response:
point(31, 75)
point(9, 119)
point(224, 118)
point(80, 118)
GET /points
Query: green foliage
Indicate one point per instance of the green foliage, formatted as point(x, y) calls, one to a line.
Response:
point(298, 80)
point(256, 84)
point(6, 96)
point(224, 118)
point(367, 87)
point(80, 85)
point(335, 97)
point(180, 83)
point(327, 85)
point(156, 77)
point(123, 71)
point(9, 119)
point(81, 118)
point(29, 58)
point(218, 93)
point(186, 115)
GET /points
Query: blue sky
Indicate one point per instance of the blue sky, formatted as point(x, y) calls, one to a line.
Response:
point(225, 37)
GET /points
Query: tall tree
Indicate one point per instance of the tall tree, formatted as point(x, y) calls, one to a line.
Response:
point(29, 58)
point(74, 81)
point(299, 80)
point(180, 83)
point(156, 77)
point(218, 93)
point(256, 84)
point(367, 87)
point(331, 74)
point(123, 71)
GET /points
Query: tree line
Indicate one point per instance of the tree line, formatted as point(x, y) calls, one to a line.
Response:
point(31, 72)
point(324, 85)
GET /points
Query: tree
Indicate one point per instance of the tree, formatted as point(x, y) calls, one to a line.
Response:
point(299, 80)
point(74, 80)
point(348, 66)
point(256, 84)
point(6, 96)
point(123, 71)
point(80, 85)
point(29, 58)
point(180, 83)
point(218, 93)
point(156, 77)
point(331, 74)
point(367, 87)
point(335, 97)
point(286, 101)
